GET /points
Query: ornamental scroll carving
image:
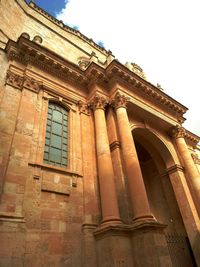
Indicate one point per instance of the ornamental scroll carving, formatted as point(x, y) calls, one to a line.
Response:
point(119, 100)
point(83, 108)
point(14, 79)
point(32, 84)
point(98, 102)
point(20, 82)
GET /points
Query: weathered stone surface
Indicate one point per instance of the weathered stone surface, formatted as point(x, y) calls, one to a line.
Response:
point(104, 207)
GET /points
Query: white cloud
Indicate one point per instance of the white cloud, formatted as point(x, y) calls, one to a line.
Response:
point(161, 36)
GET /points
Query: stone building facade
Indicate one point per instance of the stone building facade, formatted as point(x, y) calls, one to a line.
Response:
point(96, 168)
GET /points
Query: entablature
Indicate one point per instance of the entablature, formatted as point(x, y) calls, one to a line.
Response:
point(141, 92)
point(145, 91)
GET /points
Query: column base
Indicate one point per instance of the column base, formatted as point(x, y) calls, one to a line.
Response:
point(144, 217)
point(111, 220)
point(121, 244)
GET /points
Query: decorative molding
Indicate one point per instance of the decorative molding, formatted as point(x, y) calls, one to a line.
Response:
point(32, 84)
point(179, 131)
point(119, 100)
point(98, 102)
point(83, 108)
point(21, 82)
point(55, 169)
point(83, 62)
point(116, 69)
point(136, 69)
point(14, 80)
point(174, 168)
point(27, 51)
point(37, 39)
point(114, 145)
point(196, 159)
point(6, 217)
point(26, 35)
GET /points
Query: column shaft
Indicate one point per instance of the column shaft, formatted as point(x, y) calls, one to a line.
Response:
point(109, 205)
point(140, 204)
point(190, 168)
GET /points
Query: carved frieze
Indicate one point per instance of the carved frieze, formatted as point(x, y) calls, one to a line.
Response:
point(98, 102)
point(14, 79)
point(119, 100)
point(32, 84)
point(20, 82)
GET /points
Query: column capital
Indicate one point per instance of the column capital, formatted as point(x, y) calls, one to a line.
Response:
point(98, 102)
point(177, 132)
point(83, 107)
point(119, 100)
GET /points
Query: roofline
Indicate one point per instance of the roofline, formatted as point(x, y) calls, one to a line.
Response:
point(67, 28)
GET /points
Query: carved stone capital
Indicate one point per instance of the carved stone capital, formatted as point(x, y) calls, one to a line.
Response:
point(98, 102)
point(83, 108)
point(119, 100)
point(177, 132)
point(14, 79)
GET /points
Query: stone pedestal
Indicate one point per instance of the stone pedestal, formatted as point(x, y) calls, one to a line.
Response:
point(136, 245)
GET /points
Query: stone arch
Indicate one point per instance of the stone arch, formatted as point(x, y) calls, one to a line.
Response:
point(156, 145)
point(155, 156)
point(60, 103)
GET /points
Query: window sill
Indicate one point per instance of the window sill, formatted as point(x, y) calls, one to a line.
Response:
point(55, 169)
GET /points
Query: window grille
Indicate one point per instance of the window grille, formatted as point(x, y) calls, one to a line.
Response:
point(56, 141)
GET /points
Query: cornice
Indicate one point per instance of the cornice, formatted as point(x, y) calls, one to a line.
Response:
point(116, 69)
point(195, 139)
point(29, 52)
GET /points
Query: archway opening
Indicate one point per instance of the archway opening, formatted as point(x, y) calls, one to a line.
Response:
point(163, 204)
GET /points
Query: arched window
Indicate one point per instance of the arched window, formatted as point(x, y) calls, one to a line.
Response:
point(56, 142)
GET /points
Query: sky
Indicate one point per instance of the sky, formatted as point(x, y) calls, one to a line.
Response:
point(162, 36)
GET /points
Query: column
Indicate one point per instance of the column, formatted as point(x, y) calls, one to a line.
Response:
point(191, 170)
point(140, 204)
point(109, 205)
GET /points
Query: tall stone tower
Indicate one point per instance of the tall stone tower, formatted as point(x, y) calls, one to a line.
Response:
point(96, 168)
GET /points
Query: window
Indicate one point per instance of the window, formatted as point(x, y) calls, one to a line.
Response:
point(56, 142)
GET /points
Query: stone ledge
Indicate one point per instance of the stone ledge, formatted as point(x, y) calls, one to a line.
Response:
point(4, 217)
point(55, 169)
